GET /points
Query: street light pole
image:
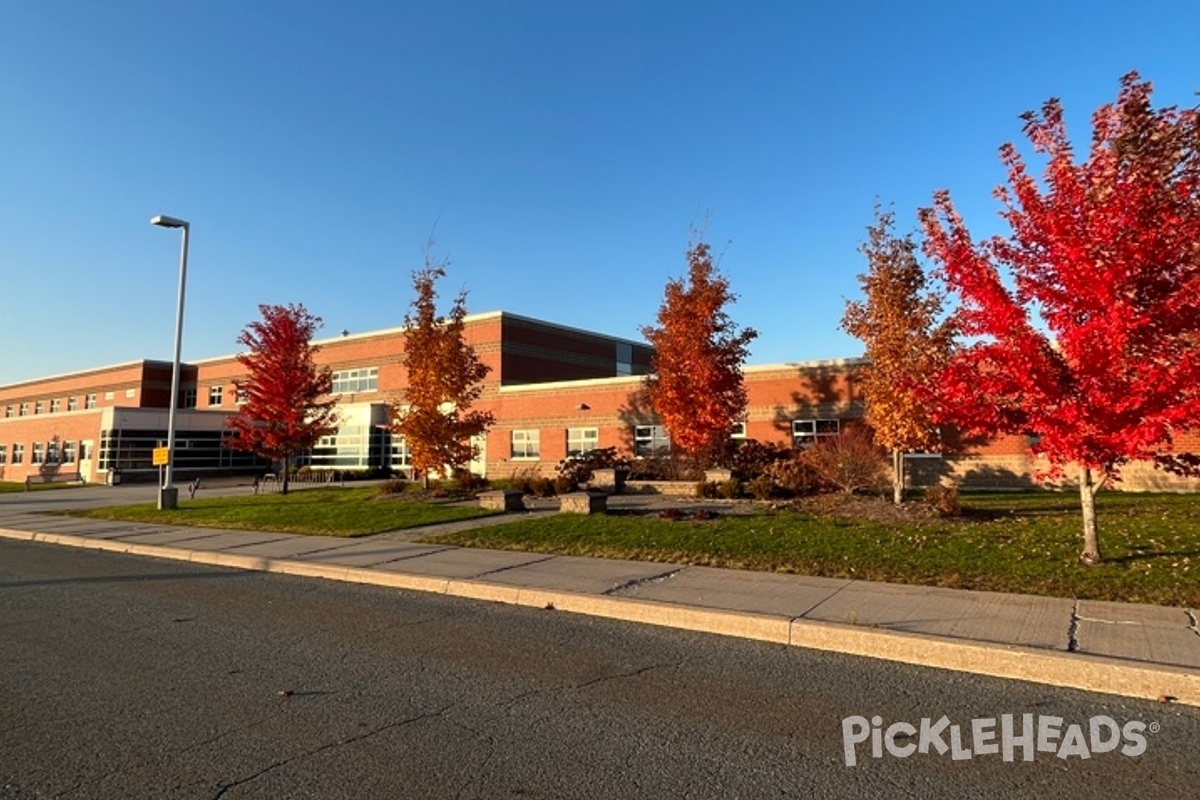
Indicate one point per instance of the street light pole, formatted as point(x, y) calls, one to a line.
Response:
point(168, 494)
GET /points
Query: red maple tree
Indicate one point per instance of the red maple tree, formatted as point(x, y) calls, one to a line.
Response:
point(696, 384)
point(285, 399)
point(1092, 344)
point(444, 380)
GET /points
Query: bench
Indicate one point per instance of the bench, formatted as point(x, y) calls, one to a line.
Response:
point(501, 500)
point(52, 477)
point(583, 503)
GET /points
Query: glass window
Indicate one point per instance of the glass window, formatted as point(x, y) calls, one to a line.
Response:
point(364, 379)
point(3, 453)
point(525, 444)
point(72, 404)
point(24, 409)
point(52, 453)
point(68, 453)
point(8, 411)
point(39, 406)
point(582, 440)
point(39, 453)
point(738, 431)
point(649, 440)
point(56, 405)
point(89, 401)
point(131, 392)
point(18, 454)
point(807, 432)
point(108, 395)
point(189, 398)
point(214, 395)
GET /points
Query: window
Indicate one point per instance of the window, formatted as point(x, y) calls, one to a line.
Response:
point(8, 411)
point(131, 392)
point(39, 453)
point(72, 404)
point(108, 395)
point(738, 431)
point(189, 398)
point(55, 405)
point(214, 395)
point(24, 409)
point(85, 451)
point(18, 454)
point(582, 440)
point(624, 359)
point(3, 454)
point(807, 432)
point(68, 453)
point(364, 379)
point(241, 396)
point(52, 453)
point(525, 444)
point(89, 401)
point(649, 440)
point(39, 406)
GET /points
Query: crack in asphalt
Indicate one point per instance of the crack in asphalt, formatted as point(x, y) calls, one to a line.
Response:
point(1073, 629)
point(225, 787)
point(1191, 615)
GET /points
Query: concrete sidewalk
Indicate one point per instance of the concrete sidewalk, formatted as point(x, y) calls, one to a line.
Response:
point(1118, 648)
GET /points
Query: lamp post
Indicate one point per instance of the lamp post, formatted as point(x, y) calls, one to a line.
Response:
point(168, 495)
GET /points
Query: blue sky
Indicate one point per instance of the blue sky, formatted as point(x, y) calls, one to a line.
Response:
point(558, 151)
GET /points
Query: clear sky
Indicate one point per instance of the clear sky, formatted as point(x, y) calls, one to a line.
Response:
point(559, 152)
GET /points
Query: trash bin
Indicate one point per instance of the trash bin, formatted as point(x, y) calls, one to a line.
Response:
point(114, 477)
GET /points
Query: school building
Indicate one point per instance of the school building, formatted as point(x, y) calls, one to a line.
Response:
point(555, 391)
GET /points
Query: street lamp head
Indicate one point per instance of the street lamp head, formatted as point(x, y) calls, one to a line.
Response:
point(168, 222)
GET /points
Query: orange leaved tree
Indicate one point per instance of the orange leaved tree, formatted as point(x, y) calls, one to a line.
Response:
point(444, 375)
point(696, 385)
point(907, 345)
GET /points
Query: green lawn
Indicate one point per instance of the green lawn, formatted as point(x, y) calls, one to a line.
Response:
point(19, 486)
point(1010, 543)
point(329, 512)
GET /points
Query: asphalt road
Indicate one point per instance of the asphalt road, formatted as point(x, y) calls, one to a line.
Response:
point(127, 677)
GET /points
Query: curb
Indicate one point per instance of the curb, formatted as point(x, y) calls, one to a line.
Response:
point(1068, 670)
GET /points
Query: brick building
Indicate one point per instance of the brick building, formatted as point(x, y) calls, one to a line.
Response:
point(554, 390)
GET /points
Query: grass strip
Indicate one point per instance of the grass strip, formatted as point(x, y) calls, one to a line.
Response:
point(1027, 543)
point(327, 512)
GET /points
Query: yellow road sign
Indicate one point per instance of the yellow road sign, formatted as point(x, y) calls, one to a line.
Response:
point(161, 456)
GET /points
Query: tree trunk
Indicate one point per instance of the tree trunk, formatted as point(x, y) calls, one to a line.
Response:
point(1087, 496)
point(286, 475)
point(897, 476)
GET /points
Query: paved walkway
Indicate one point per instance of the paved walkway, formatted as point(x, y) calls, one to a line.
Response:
point(1120, 648)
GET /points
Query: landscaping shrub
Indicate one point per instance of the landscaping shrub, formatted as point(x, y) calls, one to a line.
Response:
point(762, 488)
point(706, 489)
point(730, 489)
point(522, 480)
point(394, 486)
point(579, 469)
point(751, 458)
point(849, 462)
point(541, 487)
point(669, 467)
point(468, 481)
point(793, 478)
point(943, 500)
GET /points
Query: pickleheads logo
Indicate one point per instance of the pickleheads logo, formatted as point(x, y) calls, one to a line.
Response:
point(1027, 734)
